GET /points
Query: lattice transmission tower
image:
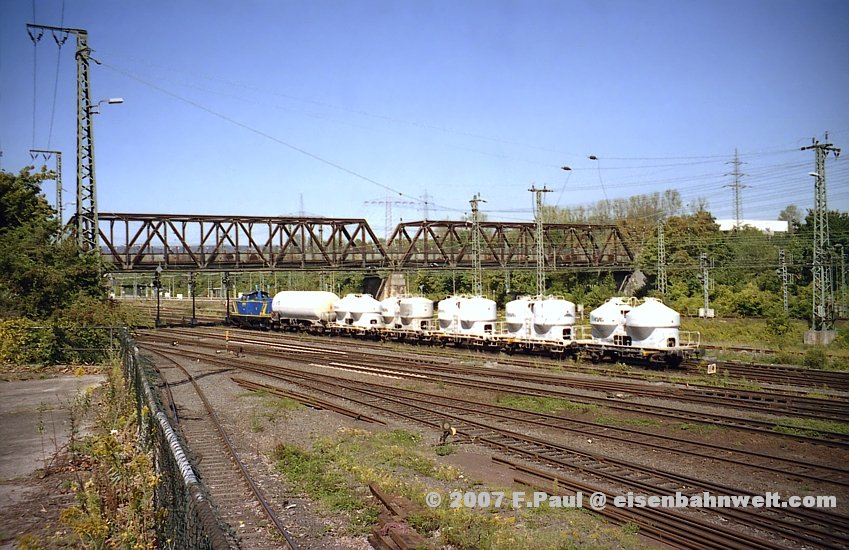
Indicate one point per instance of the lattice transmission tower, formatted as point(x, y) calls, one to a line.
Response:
point(738, 189)
point(388, 202)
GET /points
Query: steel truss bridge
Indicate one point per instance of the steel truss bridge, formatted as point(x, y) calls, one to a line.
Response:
point(141, 242)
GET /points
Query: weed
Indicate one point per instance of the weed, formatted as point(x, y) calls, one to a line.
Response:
point(42, 407)
point(630, 528)
point(317, 475)
point(283, 404)
point(256, 422)
point(546, 405)
point(255, 393)
point(821, 394)
point(810, 426)
point(115, 504)
point(400, 437)
point(815, 358)
point(839, 363)
point(27, 542)
point(445, 450)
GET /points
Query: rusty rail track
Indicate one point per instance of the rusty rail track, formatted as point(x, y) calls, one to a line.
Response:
point(223, 469)
point(560, 386)
point(802, 526)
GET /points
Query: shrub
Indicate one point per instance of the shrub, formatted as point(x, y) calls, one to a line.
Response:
point(23, 341)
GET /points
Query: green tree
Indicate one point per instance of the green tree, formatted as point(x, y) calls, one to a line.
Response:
point(39, 273)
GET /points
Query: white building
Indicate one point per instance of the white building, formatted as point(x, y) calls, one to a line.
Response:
point(767, 226)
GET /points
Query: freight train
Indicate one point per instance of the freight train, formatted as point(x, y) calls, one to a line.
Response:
point(622, 329)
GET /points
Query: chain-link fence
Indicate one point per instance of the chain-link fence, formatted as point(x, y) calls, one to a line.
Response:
point(189, 520)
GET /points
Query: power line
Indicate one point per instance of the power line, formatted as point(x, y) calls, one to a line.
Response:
point(59, 42)
point(272, 138)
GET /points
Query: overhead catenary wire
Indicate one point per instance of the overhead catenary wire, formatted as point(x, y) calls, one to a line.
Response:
point(35, 35)
point(663, 166)
point(274, 138)
point(59, 42)
point(685, 160)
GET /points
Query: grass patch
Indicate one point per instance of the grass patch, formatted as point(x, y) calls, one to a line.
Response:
point(445, 450)
point(337, 470)
point(281, 404)
point(723, 379)
point(399, 437)
point(397, 450)
point(255, 393)
point(810, 427)
point(547, 405)
point(316, 474)
point(820, 393)
point(274, 408)
point(605, 420)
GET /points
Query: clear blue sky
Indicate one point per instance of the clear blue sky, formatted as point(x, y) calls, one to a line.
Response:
point(244, 107)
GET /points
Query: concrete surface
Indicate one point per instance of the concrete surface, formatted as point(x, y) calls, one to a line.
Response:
point(25, 403)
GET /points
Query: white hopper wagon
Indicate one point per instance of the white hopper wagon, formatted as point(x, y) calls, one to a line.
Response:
point(359, 310)
point(303, 307)
point(653, 325)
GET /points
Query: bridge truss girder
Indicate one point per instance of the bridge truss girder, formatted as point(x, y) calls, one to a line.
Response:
point(448, 244)
point(141, 242)
point(220, 243)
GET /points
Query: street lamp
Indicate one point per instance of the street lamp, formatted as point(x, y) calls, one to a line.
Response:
point(157, 284)
point(192, 283)
point(95, 109)
point(226, 282)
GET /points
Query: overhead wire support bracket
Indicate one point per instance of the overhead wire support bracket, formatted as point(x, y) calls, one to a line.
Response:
point(822, 303)
point(540, 248)
point(477, 281)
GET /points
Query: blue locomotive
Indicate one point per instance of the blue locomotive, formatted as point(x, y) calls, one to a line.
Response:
point(252, 310)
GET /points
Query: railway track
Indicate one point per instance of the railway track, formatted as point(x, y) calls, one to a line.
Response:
point(786, 374)
point(569, 388)
point(219, 464)
point(727, 371)
point(802, 526)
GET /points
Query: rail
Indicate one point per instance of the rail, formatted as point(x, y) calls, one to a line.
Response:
point(190, 521)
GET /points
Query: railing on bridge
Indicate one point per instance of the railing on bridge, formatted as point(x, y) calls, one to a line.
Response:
point(141, 242)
